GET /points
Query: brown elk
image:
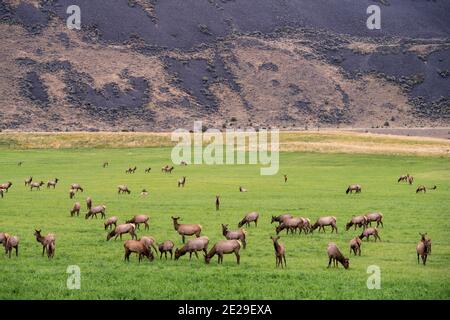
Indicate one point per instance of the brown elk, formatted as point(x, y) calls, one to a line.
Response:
point(121, 229)
point(105, 164)
point(422, 188)
point(355, 246)
point(144, 193)
point(149, 242)
point(306, 225)
point(235, 235)
point(89, 202)
point(423, 248)
point(71, 193)
point(186, 229)
point(335, 256)
point(167, 169)
point(249, 217)
point(374, 217)
point(138, 219)
point(285, 178)
point(358, 221)
point(52, 183)
point(48, 243)
point(76, 187)
point(241, 189)
point(123, 189)
point(166, 246)
point(322, 222)
point(137, 247)
point(181, 182)
point(12, 242)
point(96, 210)
point(183, 163)
point(75, 209)
point(281, 218)
point(28, 181)
point(353, 187)
point(192, 246)
point(5, 186)
point(403, 177)
point(280, 251)
point(370, 232)
point(131, 170)
point(147, 170)
point(224, 247)
point(217, 202)
point(36, 185)
point(292, 225)
point(110, 222)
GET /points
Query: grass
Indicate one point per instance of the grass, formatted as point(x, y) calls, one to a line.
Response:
point(316, 186)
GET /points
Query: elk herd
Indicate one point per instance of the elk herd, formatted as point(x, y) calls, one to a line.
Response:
point(234, 241)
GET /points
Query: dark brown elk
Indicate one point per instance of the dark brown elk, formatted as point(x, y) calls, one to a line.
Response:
point(10, 243)
point(110, 222)
point(48, 243)
point(374, 217)
point(249, 217)
point(123, 189)
point(186, 229)
point(235, 235)
point(166, 246)
point(353, 187)
point(335, 256)
point(122, 229)
point(138, 219)
point(292, 225)
point(147, 170)
point(423, 248)
point(52, 183)
point(217, 203)
point(224, 247)
point(358, 221)
point(241, 189)
point(322, 222)
point(71, 193)
point(28, 181)
point(137, 247)
point(422, 188)
point(181, 182)
point(89, 202)
point(370, 232)
point(36, 185)
point(281, 218)
point(280, 252)
point(192, 246)
point(96, 210)
point(355, 246)
point(149, 242)
point(75, 209)
point(5, 186)
point(76, 187)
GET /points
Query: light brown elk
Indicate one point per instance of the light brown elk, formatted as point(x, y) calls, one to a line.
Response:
point(89, 202)
point(5, 186)
point(166, 246)
point(374, 217)
point(36, 185)
point(357, 221)
point(281, 218)
point(186, 229)
point(11, 242)
point(423, 248)
point(138, 219)
point(149, 242)
point(76, 187)
point(322, 222)
point(306, 225)
point(241, 189)
point(335, 256)
point(235, 235)
point(137, 247)
point(353, 187)
point(28, 181)
point(122, 229)
point(224, 247)
point(192, 246)
point(123, 189)
point(96, 210)
point(249, 217)
point(280, 252)
point(144, 193)
point(48, 243)
point(422, 188)
point(182, 182)
point(292, 225)
point(355, 246)
point(110, 222)
point(52, 183)
point(75, 209)
point(370, 232)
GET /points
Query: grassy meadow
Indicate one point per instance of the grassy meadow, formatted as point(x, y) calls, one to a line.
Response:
point(316, 187)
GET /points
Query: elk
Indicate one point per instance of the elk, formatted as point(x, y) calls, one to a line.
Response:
point(36, 185)
point(353, 187)
point(249, 217)
point(149, 242)
point(11, 242)
point(166, 246)
point(181, 182)
point(139, 248)
point(374, 216)
point(105, 164)
point(147, 170)
point(358, 221)
point(280, 251)
point(28, 181)
point(192, 246)
point(355, 246)
point(144, 193)
point(71, 193)
point(370, 232)
point(422, 188)
point(183, 163)
point(48, 243)
point(76, 187)
point(52, 183)
point(5, 186)
point(306, 225)
point(322, 222)
point(110, 222)
point(281, 218)
point(235, 235)
point(186, 229)
point(241, 189)
point(138, 219)
point(88, 203)
point(217, 203)
point(335, 256)
point(20, 163)
point(123, 189)
point(131, 170)
point(403, 178)
point(167, 169)
point(96, 210)
point(290, 225)
point(423, 248)
point(224, 247)
point(75, 209)
point(121, 229)
point(285, 178)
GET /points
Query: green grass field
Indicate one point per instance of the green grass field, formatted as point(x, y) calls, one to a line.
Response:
point(315, 188)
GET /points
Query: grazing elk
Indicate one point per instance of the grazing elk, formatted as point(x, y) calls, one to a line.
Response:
point(5, 186)
point(123, 189)
point(241, 189)
point(355, 246)
point(137, 247)
point(217, 203)
point(422, 188)
point(48, 243)
point(403, 178)
point(235, 235)
point(75, 209)
point(76, 187)
point(192, 246)
point(374, 217)
point(280, 251)
point(186, 229)
point(71, 193)
point(224, 247)
point(28, 181)
point(167, 169)
point(249, 217)
point(110, 222)
point(353, 187)
point(335, 256)
point(370, 232)
point(10, 243)
point(96, 210)
point(306, 225)
point(36, 185)
point(166, 246)
point(181, 182)
point(121, 229)
point(88, 203)
point(292, 225)
point(138, 219)
point(281, 218)
point(322, 222)
point(144, 193)
point(149, 242)
point(52, 183)
point(423, 248)
point(147, 170)
point(358, 221)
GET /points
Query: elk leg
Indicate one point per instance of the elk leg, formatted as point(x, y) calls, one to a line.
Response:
point(284, 257)
point(146, 226)
point(43, 250)
point(190, 255)
point(196, 254)
point(182, 237)
point(171, 254)
point(160, 257)
point(17, 251)
point(329, 262)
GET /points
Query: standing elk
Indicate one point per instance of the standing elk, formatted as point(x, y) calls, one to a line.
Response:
point(166, 246)
point(96, 210)
point(292, 225)
point(249, 217)
point(224, 247)
point(422, 188)
point(235, 235)
point(374, 217)
point(48, 243)
point(5, 186)
point(335, 256)
point(147, 170)
point(121, 229)
point(167, 169)
point(306, 225)
point(149, 242)
point(322, 222)
point(76, 187)
point(241, 189)
point(12, 242)
point(138, 219)
point(281, 218)
point(285, 178)
point(370, 232)
point(52, 183)
point(105, 164)
point(280, 252)
point(110, 222)
point(192, 246)
point(181, 182)
point(358, 221)
point(75, 209)
point(137, 247)
point(355, 246)
point(28, 181)
point(71, 193)
point(423, 248)
point(123, 189)
point(217, 203)
point(186, 229)
point(131, 170)
point(353, 187)
point(88, 203)
point(36, 185)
